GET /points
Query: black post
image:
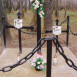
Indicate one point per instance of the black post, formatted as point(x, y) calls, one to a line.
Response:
point(38, 30)
point(67, 40)
point(19, 34)
point(49, 58)
point(56, 35)
point(20, 46)
point(19, 15)
point(4, 34)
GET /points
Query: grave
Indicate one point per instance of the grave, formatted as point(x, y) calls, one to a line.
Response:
point(9, 57)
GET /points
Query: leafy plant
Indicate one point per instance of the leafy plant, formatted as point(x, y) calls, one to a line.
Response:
point(38, 62)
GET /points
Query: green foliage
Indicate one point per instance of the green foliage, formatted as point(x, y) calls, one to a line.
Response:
point(38, 62)
point(38, 5)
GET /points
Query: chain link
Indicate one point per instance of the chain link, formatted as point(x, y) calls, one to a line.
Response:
point(74, 67)
point(72, 31)
point(69, 62)
point(28, 33)
point(6, 69)
point(23, 60)
point(62, 22)
point(36, 32)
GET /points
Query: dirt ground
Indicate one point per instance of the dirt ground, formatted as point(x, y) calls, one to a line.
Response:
point(31, 41)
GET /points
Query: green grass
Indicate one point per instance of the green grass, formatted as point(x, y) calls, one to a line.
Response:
point(28, 17)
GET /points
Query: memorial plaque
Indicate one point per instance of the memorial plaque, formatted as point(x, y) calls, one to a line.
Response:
point(18, 23)
point(56, 30)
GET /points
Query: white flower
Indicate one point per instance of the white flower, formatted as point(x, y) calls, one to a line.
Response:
point(41, 15)
point(41, 4)
point(41, 57)
point(38, 62)
point(38, 56)
point(33, 4)
point(31, 0)
point(37, 2)
point(38, 67)
point(42, 66)
point(45, 61)
point(34, 59)
point(33, 64)
point(42, 12)
point(36, 6)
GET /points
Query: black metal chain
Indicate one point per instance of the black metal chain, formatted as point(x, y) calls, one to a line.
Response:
point(61, 52)
point(46, 32)
point(24, 59)
point(72, 31)
point(43, 32)
point(62, 22)
point(28, 33)
point(33, 33)
point(2, 29)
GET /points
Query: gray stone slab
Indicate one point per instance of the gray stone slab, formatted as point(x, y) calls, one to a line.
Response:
point(61, 69)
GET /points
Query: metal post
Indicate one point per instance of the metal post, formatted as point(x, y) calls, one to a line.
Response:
point(49, 58)
point(67, 39)
point(20, 46)
point(4, 34)
point(38, 30)
point(19, 34)
point(56, 35)
point(19, 15)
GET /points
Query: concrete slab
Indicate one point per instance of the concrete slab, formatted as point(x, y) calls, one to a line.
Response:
point(9, 57)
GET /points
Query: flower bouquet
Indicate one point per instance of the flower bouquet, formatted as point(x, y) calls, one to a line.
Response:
point(38, 4)
point(38, 62)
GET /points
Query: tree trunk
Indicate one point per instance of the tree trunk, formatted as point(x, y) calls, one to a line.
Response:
point(4, 3)
point(53, 5)
point(57, 10)
point(2, 13)
point(29, 5)
point(67, 3)
point(48, 15)
point(65, 9)
point(25, 9)
point(9, 5)
point(34, 20)
point(59, 4)
point(21, 9)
